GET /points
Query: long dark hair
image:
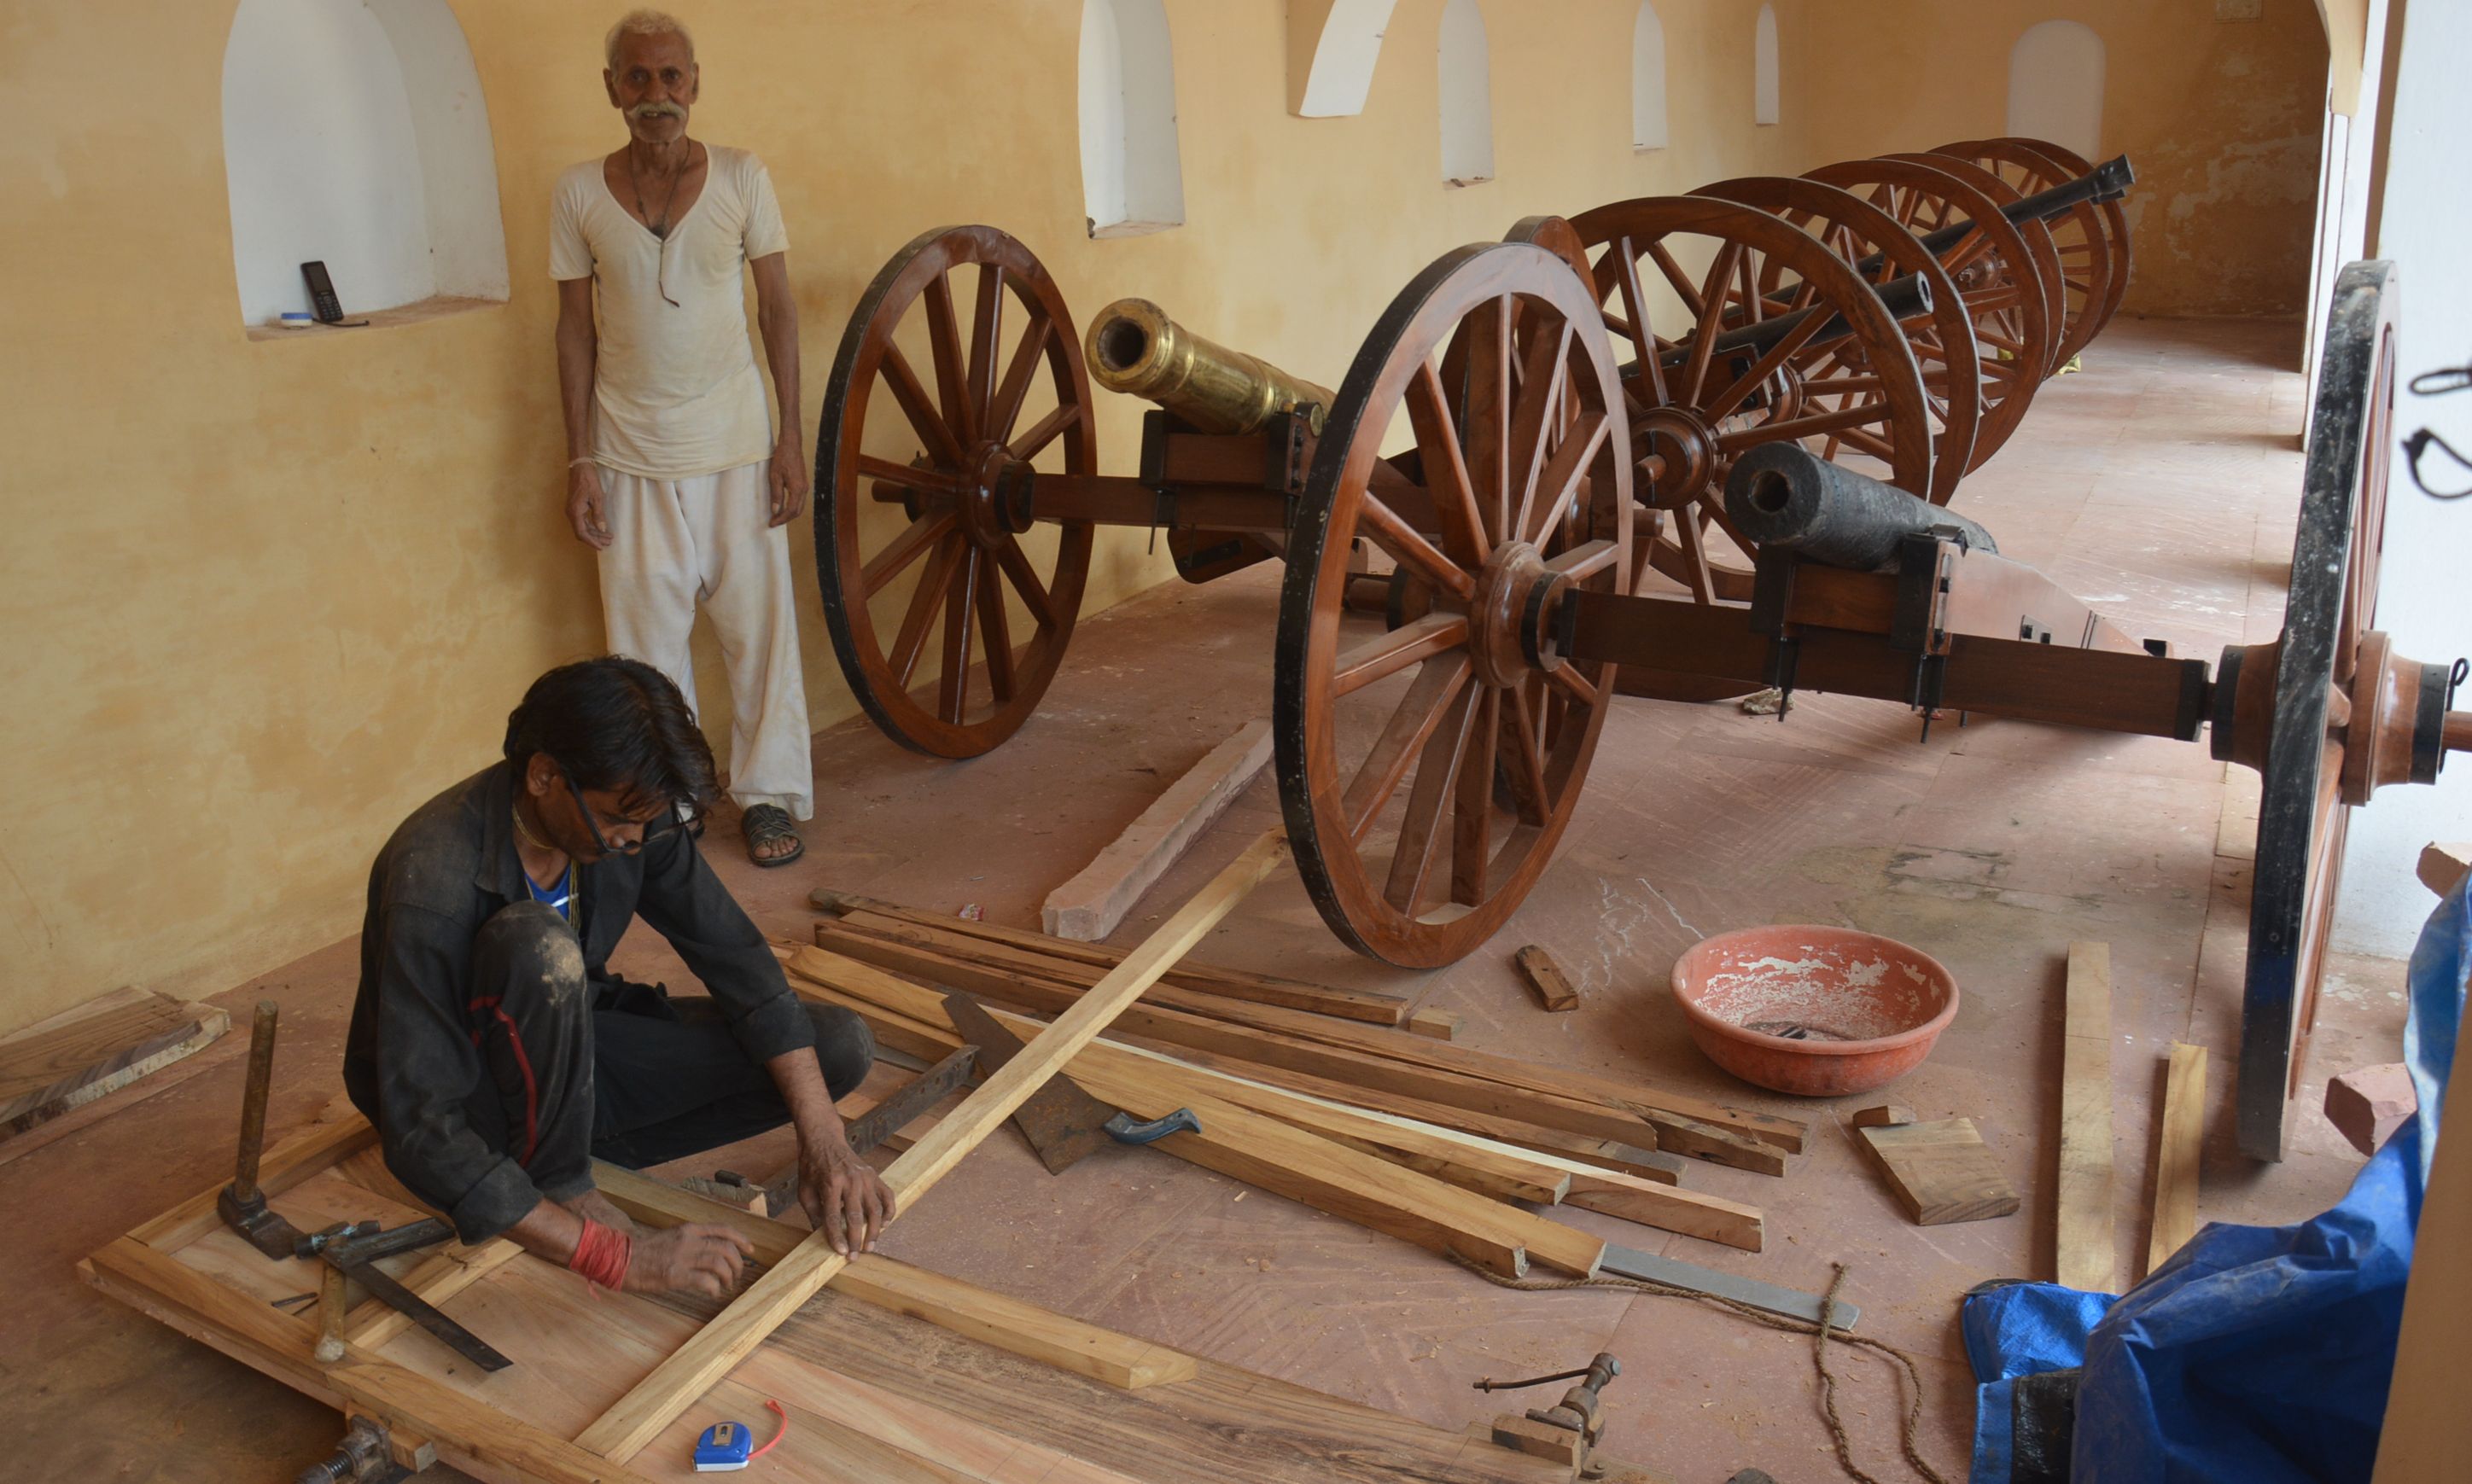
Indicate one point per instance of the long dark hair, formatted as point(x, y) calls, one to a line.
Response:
point(616, 724)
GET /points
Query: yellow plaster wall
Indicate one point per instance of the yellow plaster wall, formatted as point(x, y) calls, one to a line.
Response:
point(263, 598)
point(2221, 118)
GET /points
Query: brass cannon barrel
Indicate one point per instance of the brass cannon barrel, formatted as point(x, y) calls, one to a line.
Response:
point(1134, 347)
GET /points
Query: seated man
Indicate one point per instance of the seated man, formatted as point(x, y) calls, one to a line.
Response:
point(497, 1054)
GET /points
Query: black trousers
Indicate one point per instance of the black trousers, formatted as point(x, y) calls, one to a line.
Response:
point(617, 1071)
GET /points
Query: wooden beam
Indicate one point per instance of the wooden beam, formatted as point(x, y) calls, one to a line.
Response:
point(84, 1054)
point(1545, 978)
point(2086, 1254)
point(1009, 1324)
point(658, 1399)
point(1578, 1102)
point(1094, 901)
point(2180, 1135)
point(1441, 1025)
point(2442, 865)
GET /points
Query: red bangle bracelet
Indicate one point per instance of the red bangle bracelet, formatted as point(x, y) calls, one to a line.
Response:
point(601, 1255)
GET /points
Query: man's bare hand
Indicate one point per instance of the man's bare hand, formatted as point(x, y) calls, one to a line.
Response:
point(788, 479)
point(842, 1195)
point(585, 510)
point(695, 1258)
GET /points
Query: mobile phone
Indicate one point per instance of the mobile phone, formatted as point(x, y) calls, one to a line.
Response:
point(321, 293)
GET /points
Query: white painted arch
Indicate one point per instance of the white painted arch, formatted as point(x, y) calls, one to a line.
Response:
point(1132, 180)
point(2056, 86)
point(1764, 67)
point(326, 159)
point(1466, 77)
point(1345, 44)
point(1647, 126)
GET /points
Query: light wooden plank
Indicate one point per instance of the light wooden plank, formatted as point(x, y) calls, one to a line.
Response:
point(2084, 1244)
point(1441, 1025)
point(2442, 865)
point(673, 1384)
point(2183, 1135)
point(1545, 977)
point(1095, 900)
point(1009, 1324)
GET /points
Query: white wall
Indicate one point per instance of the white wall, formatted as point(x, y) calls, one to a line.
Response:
point(1133, 175)
point(1466, 95)
point(2425, 225)
point(2056, 86)
point(1647, 129)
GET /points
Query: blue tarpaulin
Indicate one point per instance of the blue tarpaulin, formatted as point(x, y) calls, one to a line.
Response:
point(2256, 1354)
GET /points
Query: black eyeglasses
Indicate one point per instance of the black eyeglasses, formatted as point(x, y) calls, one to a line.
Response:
point(667, 823)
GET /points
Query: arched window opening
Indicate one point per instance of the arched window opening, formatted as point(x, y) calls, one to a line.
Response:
point(326, 159)
point(1648, 79)
point(1344, 47)
point(1467, 96)
point(2056, 86)
point(1764, 68)
point(1132, 181)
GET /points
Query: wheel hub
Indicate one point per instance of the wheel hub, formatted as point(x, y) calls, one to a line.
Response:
point(1677, 456)
point(2391, 717)
point(1514, 595)
point(995, 496)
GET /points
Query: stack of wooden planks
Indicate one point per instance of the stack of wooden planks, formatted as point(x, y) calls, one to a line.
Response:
point(1316, 1094)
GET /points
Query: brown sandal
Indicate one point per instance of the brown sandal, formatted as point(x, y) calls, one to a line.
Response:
point(766, 824)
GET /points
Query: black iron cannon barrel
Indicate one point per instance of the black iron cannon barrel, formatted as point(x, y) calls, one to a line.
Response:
point(2109, 180)
point(1785, 497)
point(1905, 298)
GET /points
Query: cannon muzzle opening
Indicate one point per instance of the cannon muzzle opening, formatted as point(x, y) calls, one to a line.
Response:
point(1134, 347)
point(1783, 495)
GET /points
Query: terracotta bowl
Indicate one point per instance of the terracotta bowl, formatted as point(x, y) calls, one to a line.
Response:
point(1814, 1011)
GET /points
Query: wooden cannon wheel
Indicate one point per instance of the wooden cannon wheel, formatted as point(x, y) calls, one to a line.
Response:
point(1692, 418)
point(967, 533)
point(1427, 771)
point(1942, 338)
point(2090, 239)
point(2014, 324)
point(2298, 708)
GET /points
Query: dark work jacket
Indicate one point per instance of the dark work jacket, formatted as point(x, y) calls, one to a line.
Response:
point(412, 1059)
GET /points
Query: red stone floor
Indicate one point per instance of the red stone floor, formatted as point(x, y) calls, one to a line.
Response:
point(2160, 484)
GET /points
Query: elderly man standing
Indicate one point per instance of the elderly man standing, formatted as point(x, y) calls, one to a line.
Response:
point(674, 474)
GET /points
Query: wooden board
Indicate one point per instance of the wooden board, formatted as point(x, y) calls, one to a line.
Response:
point(1095, 900)
point(97, 1049)
point(1370, 1006)
point(2083, 1229)
point(1545, 977)
point(2180, 1134)
point(872, 1393)
point(1940, 1171)
point(656, 1401)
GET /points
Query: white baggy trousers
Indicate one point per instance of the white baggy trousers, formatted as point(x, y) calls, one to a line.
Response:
point(677, 542)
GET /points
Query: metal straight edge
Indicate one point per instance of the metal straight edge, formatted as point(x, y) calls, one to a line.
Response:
point(1791, 1303)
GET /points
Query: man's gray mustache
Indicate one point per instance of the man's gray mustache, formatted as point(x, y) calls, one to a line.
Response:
point(656, 110)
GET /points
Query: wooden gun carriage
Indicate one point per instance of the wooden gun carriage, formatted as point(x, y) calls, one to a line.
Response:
point(1590, 506)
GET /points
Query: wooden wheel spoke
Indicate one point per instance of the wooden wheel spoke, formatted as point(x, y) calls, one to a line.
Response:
point(1559, 482)
point(1703, 340)
point(1412, 860)
point(1445, 468)
point(1795, 428)
point(1524, 770)
point(1387, 654)
point(1568, 680)
point(1683, 288)
point(1870, 443)
point(1410, 725)
point(953, 686)
point(1015, 563)
point(924, 600)
point(995, 633)
point(1652, 367)
point(1489, 395)
point(952, 391)
point(1690, 543)
point(1472, 804)
point(1765, 367)
point(906, 548)
point(1027, 447)
point(928, 423)
point(987, 333)
point(1412, 550)
point(1015, 385)
point(1540, 400)
point(1585, 560)
point(927, 482)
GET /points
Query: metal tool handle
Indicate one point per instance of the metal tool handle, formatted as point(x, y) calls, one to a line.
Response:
point(252, 1106)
